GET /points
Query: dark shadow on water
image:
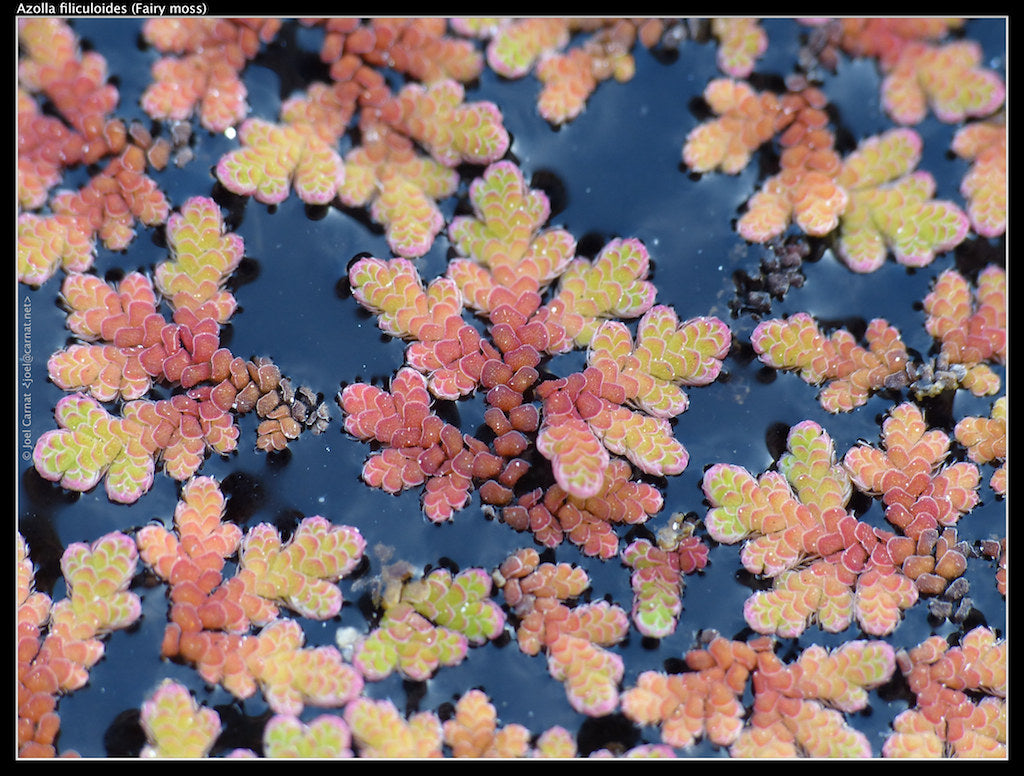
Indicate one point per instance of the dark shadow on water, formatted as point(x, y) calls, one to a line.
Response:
point(614, 732)
point(240, 730)
point(125, 736)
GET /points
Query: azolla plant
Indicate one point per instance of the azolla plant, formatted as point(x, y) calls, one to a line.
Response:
point(548, 492)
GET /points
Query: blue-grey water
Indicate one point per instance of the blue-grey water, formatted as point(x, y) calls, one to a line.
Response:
point(613, 172)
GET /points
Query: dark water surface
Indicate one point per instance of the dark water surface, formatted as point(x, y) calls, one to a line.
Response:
point(613, 172)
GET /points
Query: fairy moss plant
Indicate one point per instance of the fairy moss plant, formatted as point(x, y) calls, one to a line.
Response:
point(412, 417)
